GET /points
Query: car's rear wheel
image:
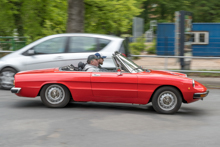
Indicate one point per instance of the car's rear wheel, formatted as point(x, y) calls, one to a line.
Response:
point(7, 78)
point(167, 100)
point(56, 96)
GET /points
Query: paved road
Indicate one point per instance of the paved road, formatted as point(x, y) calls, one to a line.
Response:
point(26, 122)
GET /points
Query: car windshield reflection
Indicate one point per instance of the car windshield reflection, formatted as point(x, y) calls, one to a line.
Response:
point(130, 64)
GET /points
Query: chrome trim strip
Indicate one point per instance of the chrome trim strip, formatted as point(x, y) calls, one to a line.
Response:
point(15, 90)
point(203, 92)
point(197, 95)
point(95, 75)
point(128, 68)
point(193, 82)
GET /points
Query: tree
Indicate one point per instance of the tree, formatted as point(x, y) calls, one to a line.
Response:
point(75, 21)
point(110, 16)
point(102, 16)
point(206, 11)
point(39, 18)
point(7, 20)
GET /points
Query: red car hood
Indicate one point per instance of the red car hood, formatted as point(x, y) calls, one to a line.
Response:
point(160, 72)
point(38, 71)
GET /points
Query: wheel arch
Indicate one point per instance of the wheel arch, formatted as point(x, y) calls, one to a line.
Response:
point(183, 100)
point(9, 67)
point(51, 84)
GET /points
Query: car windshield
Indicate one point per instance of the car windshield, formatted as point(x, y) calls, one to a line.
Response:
point(130, 64)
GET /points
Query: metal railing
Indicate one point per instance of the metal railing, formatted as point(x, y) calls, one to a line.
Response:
point(12, 43)
point(6, 51)
point(165, 64)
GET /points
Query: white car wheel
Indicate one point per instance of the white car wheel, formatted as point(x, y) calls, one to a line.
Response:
point(55, 95)
point(167, 100)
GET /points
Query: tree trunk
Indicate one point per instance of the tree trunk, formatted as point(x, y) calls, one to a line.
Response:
point(75, 21)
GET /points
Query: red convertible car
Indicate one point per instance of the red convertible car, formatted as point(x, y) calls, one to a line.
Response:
point(128, 84)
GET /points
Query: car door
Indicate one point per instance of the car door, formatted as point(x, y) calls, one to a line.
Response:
point(111, 87)
point(47, 54)
point(80, 47)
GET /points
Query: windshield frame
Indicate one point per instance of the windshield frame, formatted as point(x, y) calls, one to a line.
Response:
point(130, 65)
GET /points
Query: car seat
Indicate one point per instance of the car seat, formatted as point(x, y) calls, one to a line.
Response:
point(81, 66)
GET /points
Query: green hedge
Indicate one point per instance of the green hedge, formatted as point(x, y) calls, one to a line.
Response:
point(152, 49)
point(137, 47)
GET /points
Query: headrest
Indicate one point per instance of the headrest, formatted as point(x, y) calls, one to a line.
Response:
point(81, 65)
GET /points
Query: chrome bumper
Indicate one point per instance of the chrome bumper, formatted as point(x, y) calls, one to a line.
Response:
point(200, 95)
point(15, 90)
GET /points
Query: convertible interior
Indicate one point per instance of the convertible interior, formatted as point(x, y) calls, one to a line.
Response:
point(121, 63)
point(71, 67)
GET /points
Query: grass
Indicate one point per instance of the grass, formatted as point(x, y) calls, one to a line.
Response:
point(204, 74)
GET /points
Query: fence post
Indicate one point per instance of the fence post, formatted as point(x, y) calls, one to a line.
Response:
point(165, 63)
point(13, 43)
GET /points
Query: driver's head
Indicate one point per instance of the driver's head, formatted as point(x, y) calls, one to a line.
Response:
point(93, 60)
point(100, 58)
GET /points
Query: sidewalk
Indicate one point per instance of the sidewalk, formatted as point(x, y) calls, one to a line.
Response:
point(173, 64)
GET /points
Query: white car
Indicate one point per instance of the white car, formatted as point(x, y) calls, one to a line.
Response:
point(59, 50)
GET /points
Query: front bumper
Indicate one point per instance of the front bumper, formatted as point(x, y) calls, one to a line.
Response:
point(15, 90)
point(200, 95)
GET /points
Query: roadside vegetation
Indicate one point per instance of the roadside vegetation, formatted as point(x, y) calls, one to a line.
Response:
point(204, 74)
point(151, 48)
point(137, 46)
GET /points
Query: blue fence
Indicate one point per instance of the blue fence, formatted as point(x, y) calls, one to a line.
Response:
point(166, 39)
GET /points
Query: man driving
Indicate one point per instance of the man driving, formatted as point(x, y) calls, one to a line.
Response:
point(92, 64)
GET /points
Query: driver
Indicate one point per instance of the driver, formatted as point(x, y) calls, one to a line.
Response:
point(92, 64)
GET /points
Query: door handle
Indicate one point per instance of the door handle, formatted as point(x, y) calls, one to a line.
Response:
point(95, 75)
point(59, 58)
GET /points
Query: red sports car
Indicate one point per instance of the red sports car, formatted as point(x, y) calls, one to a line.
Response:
point(128, 84)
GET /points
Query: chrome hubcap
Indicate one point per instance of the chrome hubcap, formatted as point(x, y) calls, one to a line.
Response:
point(55, 94)
point(167, 100)
point(7, 79)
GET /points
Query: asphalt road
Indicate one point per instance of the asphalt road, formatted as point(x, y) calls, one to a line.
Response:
point(26, 122)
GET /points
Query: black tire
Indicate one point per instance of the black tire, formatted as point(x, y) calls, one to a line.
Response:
point(7, 78)
point(55, 96)
point(167, 100)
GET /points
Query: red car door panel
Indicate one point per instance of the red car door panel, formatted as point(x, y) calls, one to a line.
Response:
point(80, 86)
point(110, 87)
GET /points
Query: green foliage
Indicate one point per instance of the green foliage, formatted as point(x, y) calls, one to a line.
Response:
point(152, 48)
point(204, 74)
point(137, 47)
point(43, 17)
point(163, 10)
point(38, 18)
point(110, 16)
point(139, 44)
point(7, 21)
point(135, 52)
point(33, 18)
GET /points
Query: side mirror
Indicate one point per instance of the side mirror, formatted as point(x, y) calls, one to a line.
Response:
point(119, 73)
point(31, 52)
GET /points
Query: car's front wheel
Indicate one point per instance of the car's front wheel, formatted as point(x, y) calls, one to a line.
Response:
point(167, 100)
point(56, 96)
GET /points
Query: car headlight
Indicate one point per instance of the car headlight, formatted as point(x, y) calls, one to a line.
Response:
point(193, 82)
